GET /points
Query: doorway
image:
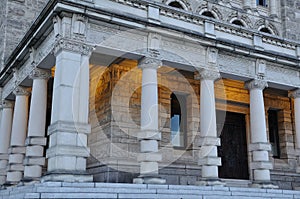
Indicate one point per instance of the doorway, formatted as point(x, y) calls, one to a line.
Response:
point(233, 149)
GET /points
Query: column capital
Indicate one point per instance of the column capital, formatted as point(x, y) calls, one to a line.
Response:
point(207, 74)
point(149, 62)
point(7, 104)
point(38, 73)
point(295, 93)
point(256, 84)
point(73, 46)
point(19, 90)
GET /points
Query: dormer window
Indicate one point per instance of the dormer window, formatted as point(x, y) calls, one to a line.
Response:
point(262, 3)
point(176, 4)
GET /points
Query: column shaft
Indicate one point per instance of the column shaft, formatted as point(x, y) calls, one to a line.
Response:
point(149, 135)
point(18, 135)
point(259, 146)
point(5, 126)
point(209, 141)
point(36, 140)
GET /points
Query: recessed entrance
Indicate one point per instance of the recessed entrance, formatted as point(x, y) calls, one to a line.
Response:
point(233, 149)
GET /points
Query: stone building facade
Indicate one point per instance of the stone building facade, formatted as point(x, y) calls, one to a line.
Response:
point(184, 92)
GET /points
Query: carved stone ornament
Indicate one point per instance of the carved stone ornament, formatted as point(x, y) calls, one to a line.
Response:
point(7, 104)
point(38, 73)
point(295, 93)
point(212, 55)
point(73, 46)
point(207, 74)
point(256, 84)
point(19, 90)
point(260, 67)
point(148, 62)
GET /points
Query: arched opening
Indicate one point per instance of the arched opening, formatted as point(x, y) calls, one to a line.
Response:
point(208, 14)
point(265, 30)
point(176, 4)
point(237, 22)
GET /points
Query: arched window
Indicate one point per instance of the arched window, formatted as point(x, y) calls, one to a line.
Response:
point(208, 14)
point(237, 22)
point(265, 30)
point(176, 4)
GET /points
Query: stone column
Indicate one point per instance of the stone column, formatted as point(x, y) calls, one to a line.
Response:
point(296, 96)
point(5, 126)
point(18, 136)
point(259, 146)
point(69, 126)
point(149, 135)
point(208, 157)
point(36, 140)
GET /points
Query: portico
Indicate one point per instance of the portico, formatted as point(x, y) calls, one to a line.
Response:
point(112, 116)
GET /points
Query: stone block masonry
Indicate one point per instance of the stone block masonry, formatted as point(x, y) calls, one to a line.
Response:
point(133, 191)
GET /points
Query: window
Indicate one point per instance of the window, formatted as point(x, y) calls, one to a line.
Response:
point(237, 22)
point(265, 30)
point(262, 3)
point(176, 4)
point(273, 132)
point(208, 14)
point(178, 120)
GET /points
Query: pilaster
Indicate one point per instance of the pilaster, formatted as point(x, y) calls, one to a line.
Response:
point(69, 126)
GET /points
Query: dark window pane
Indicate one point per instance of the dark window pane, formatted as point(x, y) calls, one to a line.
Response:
point(208, 14)
point(273, 132)
point(238, 22)
point(261, 3)
point(266, 30)
point(175, 4)
point(178, 120)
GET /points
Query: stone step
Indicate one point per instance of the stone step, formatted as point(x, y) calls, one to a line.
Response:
point(119, 190)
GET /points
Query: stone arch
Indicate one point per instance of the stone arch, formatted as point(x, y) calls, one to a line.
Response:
point(183, 3)
point(266, 26)
point(213, 10)
point(242, 18)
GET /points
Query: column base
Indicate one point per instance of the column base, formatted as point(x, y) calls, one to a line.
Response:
point(149, 180)
point(67, 177)
point(210, 182)
point(263, 185)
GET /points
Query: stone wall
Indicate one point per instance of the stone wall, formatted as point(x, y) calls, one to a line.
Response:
point(290, 10)
point(16, 16)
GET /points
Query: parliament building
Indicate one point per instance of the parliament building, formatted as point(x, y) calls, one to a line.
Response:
point(176, 93)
